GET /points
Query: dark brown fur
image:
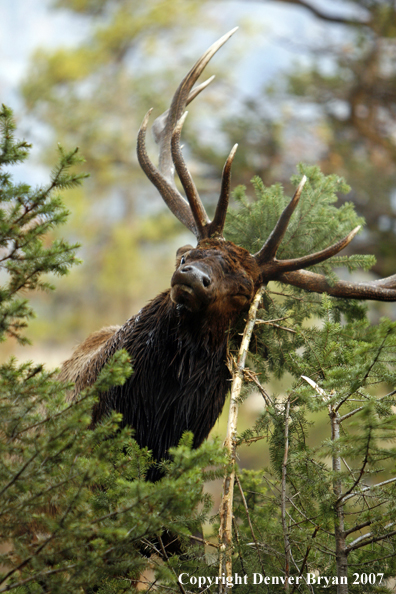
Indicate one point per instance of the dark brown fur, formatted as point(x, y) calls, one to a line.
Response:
point(177, 344)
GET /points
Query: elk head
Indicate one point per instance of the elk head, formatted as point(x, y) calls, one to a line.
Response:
point(196, 282)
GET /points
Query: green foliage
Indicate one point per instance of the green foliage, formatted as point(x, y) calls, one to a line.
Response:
point(316, 224)
point(75, 508)
point(26, 216)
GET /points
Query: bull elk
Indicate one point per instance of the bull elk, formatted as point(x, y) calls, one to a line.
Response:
point(178, 341)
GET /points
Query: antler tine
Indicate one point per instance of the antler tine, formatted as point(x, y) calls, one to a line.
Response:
point(173, 199)
point(197, 209)
point(195, 92)
point(274, 267)
point(158, 129)
point(163, 128)
point(269, 249)
point(217, 225)
point(380, 290)
point(182, 96)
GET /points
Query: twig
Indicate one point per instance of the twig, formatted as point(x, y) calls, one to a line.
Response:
point(272, 323)
point(357, 544)
point(252, 377)
point(339, 530)
point(250, 522)
point(306, 556)
point(356, 410)
point(9, 587)
point(203, 541)
point(251, 440)
point(182, 590)
point(374, 361)
point(369, 488)
point(361, 472)
point(234, 524)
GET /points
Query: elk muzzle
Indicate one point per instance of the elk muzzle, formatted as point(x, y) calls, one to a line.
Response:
point(191, 286)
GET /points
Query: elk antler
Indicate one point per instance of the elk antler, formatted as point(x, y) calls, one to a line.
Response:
point(270, 267)
point(289, 271)
point(167, 129)
point(191, 212)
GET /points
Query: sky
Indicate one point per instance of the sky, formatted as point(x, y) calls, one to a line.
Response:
point(24, 26)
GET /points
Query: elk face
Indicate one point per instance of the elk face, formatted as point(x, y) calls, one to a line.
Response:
point(216, 276)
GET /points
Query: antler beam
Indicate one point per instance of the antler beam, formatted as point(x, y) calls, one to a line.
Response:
point(380, 290)
point(166, 127)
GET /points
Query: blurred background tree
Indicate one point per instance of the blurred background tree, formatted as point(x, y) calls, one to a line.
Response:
point(352, 86)
point(325, 94)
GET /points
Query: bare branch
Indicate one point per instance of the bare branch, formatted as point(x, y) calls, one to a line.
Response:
point(252, 377)
point(369, 488)
point(368, 538)
point(358, 527)
point(361, 472)
point(328, 17)
point(306, 556)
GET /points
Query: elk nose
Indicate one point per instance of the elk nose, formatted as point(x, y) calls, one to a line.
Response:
point(198, 274)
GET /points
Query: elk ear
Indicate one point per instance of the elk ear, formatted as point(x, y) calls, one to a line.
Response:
point(182, 250)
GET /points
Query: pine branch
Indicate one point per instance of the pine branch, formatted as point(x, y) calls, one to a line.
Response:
point(164, 553)
point(304, 563)
point(373, 362)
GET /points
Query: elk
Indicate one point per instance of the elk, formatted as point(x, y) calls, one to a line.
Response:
point(178, 341)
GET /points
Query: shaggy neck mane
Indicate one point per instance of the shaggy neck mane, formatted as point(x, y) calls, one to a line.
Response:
point(179, 381)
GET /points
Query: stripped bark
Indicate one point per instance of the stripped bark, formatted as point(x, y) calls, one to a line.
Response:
point(226, 505)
